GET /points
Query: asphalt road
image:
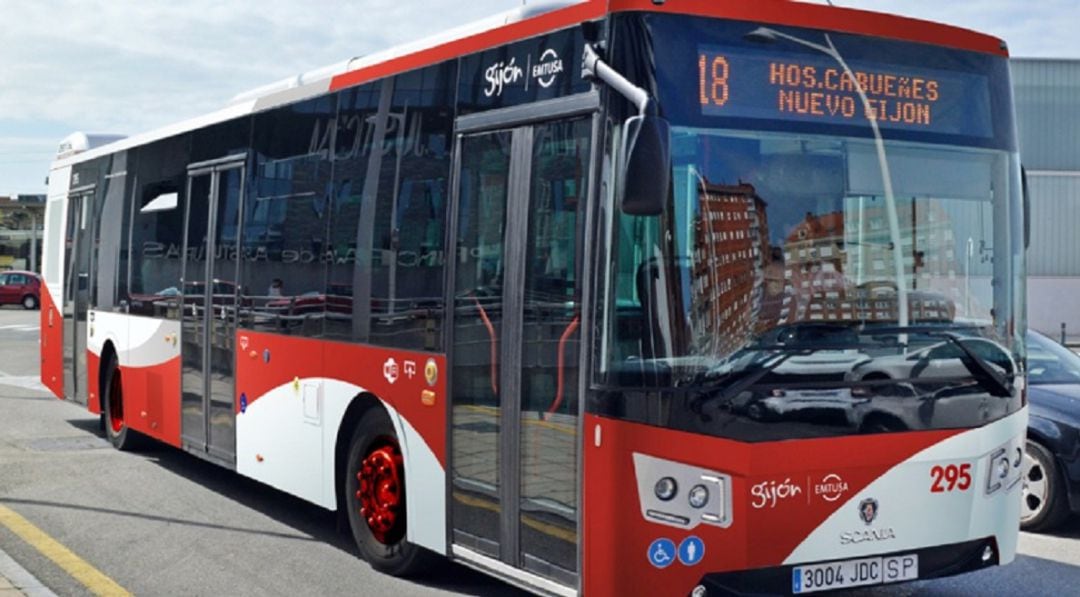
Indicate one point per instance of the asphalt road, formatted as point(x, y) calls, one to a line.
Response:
point(165, 523)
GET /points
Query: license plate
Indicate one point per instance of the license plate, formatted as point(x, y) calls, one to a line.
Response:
point(854, 573)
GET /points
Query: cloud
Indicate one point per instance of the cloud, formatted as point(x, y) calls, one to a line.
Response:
point(1032, 29)
point(130, 65)
point(126, 66)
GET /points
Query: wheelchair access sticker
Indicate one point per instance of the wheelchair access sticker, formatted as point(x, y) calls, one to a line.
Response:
point(662, 553)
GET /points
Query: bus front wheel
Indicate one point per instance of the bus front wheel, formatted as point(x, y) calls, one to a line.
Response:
point(375, 497)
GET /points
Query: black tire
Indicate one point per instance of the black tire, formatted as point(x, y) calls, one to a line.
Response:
point(120, 435)
point(1047, 507)
point(29, 302)
point(388, 552)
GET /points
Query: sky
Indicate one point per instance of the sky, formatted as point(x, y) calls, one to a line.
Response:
point(127, 66)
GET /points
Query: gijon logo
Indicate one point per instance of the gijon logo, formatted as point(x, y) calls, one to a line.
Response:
point(501, 74)
point(769, 493)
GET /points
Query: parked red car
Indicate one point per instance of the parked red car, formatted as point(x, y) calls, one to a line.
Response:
point(20, 288)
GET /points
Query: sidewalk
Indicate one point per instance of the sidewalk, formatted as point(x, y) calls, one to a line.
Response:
point(15, 581)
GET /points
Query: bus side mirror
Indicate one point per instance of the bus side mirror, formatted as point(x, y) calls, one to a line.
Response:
point(645, 173)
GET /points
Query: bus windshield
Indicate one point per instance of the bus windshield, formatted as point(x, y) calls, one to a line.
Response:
point(803, 241)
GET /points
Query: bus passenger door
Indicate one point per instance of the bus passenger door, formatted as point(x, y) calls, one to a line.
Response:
point(76, 292)
point(211, 297)
point(514, 357)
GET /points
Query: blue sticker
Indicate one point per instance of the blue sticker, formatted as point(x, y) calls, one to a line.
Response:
point(243, 403)
point(662, 553)
point(266, 355)
point(691, 550)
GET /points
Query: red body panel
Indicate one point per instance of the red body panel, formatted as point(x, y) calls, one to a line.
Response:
point(152, 400)
point(292, 358)
point(52, 344)
point(93, 382)
point(778, 12)
point(617, 537)
point(551, 21)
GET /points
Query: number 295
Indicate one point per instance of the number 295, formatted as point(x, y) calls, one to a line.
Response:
point(950, 477)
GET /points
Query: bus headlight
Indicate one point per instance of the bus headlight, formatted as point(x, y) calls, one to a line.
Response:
point(699, 496)
point(1004, 466)
point(666, 488)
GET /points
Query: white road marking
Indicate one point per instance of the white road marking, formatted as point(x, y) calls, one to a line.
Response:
point(26, 382)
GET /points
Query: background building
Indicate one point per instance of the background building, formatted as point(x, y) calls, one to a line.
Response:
point(22, 221)
point(1047, 93)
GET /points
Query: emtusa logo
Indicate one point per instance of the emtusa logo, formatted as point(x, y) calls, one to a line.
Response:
point(549, 66)
point(769, 493)
point(499, 75)
point(831, 487)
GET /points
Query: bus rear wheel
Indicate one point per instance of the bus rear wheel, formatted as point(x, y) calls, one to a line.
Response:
point(116, 428)
point(375, 497)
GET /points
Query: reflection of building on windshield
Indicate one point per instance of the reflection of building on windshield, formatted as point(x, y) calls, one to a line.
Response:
point(731, 252)
point(767, 230)
point(828, 267)
point(838, 268)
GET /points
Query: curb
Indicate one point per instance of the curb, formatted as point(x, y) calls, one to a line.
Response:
point(22, 580)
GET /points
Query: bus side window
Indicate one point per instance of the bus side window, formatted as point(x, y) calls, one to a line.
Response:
point(157, 227)
point(409, 244)
point(353, 139)
point(285, 221)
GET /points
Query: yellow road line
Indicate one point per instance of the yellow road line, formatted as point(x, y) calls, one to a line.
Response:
point(78, 568)
point(491, 410)
point(560, 427)
point(545, 528)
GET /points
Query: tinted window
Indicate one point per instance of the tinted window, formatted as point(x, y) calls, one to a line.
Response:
point(220, 140)
point(284, 229)
point(1050, 362)
point(157, 227)
point(108, 220)
point(407, 252)
point(354, 132)
point(387, 229)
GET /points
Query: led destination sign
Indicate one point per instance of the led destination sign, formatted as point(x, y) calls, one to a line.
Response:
point(785, 86)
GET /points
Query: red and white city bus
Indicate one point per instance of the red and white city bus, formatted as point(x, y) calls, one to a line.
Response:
point(608, 297)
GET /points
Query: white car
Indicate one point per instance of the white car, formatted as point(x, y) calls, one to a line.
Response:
point(937, 361)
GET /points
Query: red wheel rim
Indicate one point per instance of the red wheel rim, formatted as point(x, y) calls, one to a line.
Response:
point(382, 491)
point(116, 404)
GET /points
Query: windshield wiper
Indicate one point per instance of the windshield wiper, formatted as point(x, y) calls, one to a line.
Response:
point(728, 392)
point(984, 373)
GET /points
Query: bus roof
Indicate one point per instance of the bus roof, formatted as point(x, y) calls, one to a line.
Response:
point(536, 19)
